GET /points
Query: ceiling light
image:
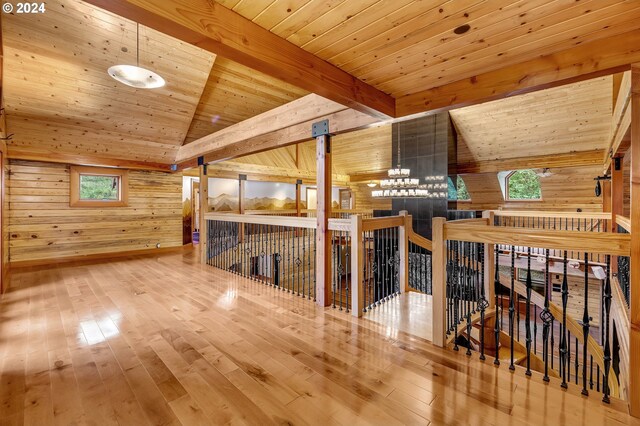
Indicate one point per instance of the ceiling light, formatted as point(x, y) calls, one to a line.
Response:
point(371, 184)
point(135, 75)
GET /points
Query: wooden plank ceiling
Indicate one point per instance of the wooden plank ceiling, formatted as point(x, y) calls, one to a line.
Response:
point(570, 118)
point(60, 100)
point(406, 46)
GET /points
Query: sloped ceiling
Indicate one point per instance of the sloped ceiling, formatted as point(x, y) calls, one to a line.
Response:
point(570, 118)
point(60, 99)
point(406, 46)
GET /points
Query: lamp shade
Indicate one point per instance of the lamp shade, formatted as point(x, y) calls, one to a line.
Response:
point(134, 76)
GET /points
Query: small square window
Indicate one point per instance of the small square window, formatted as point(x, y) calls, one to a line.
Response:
point(98, 187)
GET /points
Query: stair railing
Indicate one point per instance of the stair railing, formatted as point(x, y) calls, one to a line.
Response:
point(483, 302)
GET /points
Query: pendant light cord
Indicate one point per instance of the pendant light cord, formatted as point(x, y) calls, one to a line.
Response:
point(137, 44)
point(398, 124)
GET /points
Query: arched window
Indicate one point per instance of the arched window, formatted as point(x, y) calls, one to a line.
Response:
point(523, 185)
point(458, 191)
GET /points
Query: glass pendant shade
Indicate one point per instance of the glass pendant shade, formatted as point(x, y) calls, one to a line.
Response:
point(137, 77)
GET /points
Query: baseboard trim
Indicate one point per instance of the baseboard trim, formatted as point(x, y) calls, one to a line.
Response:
point(95, 257)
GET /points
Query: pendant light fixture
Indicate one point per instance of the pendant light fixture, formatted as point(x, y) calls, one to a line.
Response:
point(134, 75)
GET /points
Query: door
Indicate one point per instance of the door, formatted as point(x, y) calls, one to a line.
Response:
point(346, 199)
point(312, 198)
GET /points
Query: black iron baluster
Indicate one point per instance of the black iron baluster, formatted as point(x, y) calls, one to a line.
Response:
point(348, 282)
point(591, 372)
point(449, 286)
point(528, 314)
point(564, 361)
point(482, 303)
point(496, 329)
point(585, 324)
point(607, 348)
point(568, 369)
point(546, 317)
point(512, 310)
point(577, 362)
point(535, 329)
point(456, 308)
point(468, 296)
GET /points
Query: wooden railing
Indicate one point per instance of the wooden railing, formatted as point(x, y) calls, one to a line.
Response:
point(481, 304)
point(560, 221)
point(369, 261)
point(335, 214)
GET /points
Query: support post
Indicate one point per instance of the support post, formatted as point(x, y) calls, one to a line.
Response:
point(204, 209)
point(403, 236)
point(357, 265)
point(489, 264)
point(617, 201)
point(298, 206)
point(439, 283)
point(320, 131)
point(242, 179)
point(634, 267)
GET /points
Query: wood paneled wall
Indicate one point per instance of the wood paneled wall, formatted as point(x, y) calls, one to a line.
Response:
point(364, 200)
point(567, 189)
point(42, 226)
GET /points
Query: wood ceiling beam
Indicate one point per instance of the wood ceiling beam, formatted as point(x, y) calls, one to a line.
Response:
point(620, 121)
point(588, 60)
point(259, 172)
point(339, 122)
point(310, 107)
point(19, 153)
point(573, 159)
point(219, 30)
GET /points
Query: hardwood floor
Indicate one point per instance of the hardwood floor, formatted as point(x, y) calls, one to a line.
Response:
point(164, 340)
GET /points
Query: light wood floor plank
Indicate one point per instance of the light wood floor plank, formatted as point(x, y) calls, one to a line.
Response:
point(151, 340)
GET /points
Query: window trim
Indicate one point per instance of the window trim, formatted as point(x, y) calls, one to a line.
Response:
point(519, 200)
point(74, 186)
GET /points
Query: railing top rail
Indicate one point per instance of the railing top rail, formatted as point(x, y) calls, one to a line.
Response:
point(375, 223)
point(339, 224)
point(292, 221)
point(625, 222)
point(592, 242)
point(420, 240)
point(542, 213)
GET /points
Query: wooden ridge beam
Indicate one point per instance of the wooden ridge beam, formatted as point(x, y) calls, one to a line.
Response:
point(219, 30)
point(17, 153)
point(307, 108)
point(588, 60)
point(340, 122)
point(572, 159)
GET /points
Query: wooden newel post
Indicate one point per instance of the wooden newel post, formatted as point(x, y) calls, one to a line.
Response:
point(489, 265)
point(357, 266)
point(204, 209)
point(403, 237)
point(320, 131)
point(438, 283)
point(634, 259)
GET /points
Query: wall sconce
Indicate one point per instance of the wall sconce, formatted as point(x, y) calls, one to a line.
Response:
point(598, 190)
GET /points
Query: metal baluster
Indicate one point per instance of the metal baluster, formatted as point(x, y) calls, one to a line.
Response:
point(469, 291)
point(512, 310)
point(528, 314)
point(456, 295)
point(496, 329)
point(348, 264)
point(607, 348)
point(568, 369)
point(546, 317)
point(577, 363)
point(585, 324)
point(482, 303)
point(564, 361)
point(591, 372)
point(535, 329)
